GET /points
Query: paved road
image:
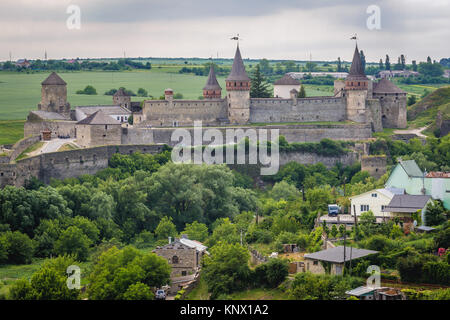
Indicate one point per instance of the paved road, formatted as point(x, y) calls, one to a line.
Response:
point(52, 146)
point(417, 132)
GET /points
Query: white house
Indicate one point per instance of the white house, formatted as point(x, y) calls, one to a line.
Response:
point(374, 200)
point(118, 113)
point(282, 87)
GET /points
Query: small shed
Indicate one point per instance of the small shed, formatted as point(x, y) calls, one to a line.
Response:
point(363, 293)
point(334, 259)
point(46, 135)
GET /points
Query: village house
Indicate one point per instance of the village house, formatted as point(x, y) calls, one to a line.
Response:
point(374, 200)
point(403, 206)
point(407, 175)
point(184, 256)
point(282, 88)
point(332, 260)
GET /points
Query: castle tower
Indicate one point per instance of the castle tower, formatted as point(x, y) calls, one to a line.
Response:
point(212, 89)
point(393, 103)
point(54, 95)
point(122, 98)
point(356, 90)
point(238, 91)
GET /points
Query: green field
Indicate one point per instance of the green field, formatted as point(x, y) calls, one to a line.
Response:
point(11, 131)
point(21, 92)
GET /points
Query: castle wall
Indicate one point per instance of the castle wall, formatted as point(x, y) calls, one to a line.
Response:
point(22, 145)
point(292, 133)
point(311, 158)
point(63, 128)
point(375, 165)
point(302, 110)
point(163, 113)
point(393, 108)
point(374, 114)
point(98, 135)
point(66, 164)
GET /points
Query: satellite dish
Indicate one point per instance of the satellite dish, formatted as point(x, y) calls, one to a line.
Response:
point(415, 223)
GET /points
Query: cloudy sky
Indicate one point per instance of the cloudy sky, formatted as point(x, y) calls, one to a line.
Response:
point(274, 29)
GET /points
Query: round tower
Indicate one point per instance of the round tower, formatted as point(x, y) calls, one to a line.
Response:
point(238, 91)
point(212, 89)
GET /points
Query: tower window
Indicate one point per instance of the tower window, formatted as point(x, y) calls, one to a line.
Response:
point(174, 260)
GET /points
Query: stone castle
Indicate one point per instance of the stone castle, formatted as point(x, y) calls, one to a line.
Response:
point(359, 106)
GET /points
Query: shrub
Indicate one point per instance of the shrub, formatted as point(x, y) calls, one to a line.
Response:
point(20, 247)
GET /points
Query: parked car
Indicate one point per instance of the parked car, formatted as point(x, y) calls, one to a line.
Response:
point(160, 295)
point(333, 210)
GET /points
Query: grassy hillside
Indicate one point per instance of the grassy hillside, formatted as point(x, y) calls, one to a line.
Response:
point(424, 112)
point(430, 104)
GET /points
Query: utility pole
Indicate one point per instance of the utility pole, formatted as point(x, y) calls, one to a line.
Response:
point(343, 268)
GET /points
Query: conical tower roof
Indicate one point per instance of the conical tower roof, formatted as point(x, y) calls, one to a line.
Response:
point(238, 69)
point(356, 70)
point(212, 83)
point(54, 79)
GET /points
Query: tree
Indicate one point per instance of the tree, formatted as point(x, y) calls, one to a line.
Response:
point(367, 223)
point(412, 99)
point(272, 273)
point(118, 274)
point(259, 86)
point(89, 90)
point(363, 60)
point(226, 269)
point(431, 69)
point(196, 231)
point(339, 65)
point(403, 61)
point(435, 213)
point(19, 246)
point(381, 65)
point(284, 190)
point(225, 231)
point(301, 93)
point(310, 66)
point(142, 92)
point(387, 63)
point(48, 283)
point(73, 241)
point(165, 229)
point(138, 291)
point(414, 65)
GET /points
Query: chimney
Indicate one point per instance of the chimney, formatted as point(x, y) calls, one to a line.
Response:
point(170, 240)
point(168, 94)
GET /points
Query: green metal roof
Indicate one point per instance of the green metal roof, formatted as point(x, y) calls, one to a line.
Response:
point(411, 168)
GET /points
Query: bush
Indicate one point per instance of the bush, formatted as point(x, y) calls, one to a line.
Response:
point(20, 247)
point(89, 90)
point(272, 273)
